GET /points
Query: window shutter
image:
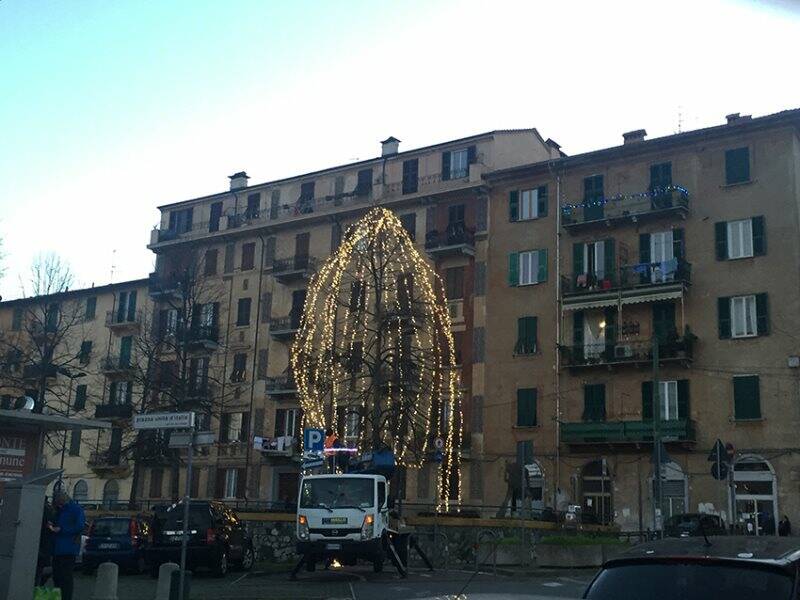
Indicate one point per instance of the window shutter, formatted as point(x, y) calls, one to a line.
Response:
point(241, 481)
point(683, 399)
point(244, 435)
point(762, 316)
point(230, 250)
point(746, 398)
point(577, 328)
point(513, 205)
point(224, 423)
point(269, 252)
point(112, 393)
point(724, 317)
point(577, 259)
point(737, 165)
point(531, 332)
point(75, 443)
point(513, 269)
point(759, 237)
point(219, 487)
point(80, 397)
point(472, 154)
point(280, 421)
point(541, 203)
point(445, 166)
point(526, 407)
point(542, 272)
point(678, 250)
point(263, 356)
point(721, 240)
point(608, 251)
point(647, 401)
point(129, 392)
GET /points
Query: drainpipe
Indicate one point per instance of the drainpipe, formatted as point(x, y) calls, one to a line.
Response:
point(559, 315)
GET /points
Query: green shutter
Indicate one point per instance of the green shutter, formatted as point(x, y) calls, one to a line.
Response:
point(724, 317)
point(125, 351)
point(610, 315)
point(112, 393)
point(445, 166)
point(542, 201)
point(677, 243)
point(541, 275)
point(526, 335)
point(513, 269)
point(647, 401)
point(577, 327)
point(762, 315)
point(608, 258)
point(526, 407)
point(746, 397)
point(129, 393)
point(594, 402)
point(737, 165)
point(513, 205)
point(577, 259)
point(721, 240)
point(683, 399)
point(75, 443)
point(759, 237)
point(644, 248)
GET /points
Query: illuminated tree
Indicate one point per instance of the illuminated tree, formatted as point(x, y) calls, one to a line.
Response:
point(374, 358)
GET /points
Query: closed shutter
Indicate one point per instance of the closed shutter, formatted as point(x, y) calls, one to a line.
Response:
point(724, 317)
point(577, 259)
point(608, 258)
point(244, 433)
point(112, 393)
point(737, 165)
point(472, 155)
point(445, 166)
point(125, 351)
point(230, 250)
point(542, 201)
point(513, 205)
point(224, 424)
point(647, 401)
point(746, 397)
point(132, 306)
point(759, 237)
point(261, 370)
point(721, 240)
point(526, 407)
point(526, 335)
point(683, 399)
point(269, 252)
point(80, 397)
point(75, 443)
point(577, 328)
point(129, 392)
point(219, 487)
point(762, 316)
point(513, 269)
point(594, 402)
point(610, 314)
point(266, 307)
point(542, 272)
point(678, 246)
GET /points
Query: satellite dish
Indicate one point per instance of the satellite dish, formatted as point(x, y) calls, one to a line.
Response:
point(24, 403)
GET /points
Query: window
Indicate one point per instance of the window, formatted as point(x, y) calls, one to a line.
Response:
point(91, 308)
point(737, 166)
point(524, 205)
point(410, 175)
point(198, 375)
point(248, 256)
point(592, 189)
point(120, 392)
point(305, 203)
point(743, 316)
point(85, 353)
point(454, 283)
point(239, 367)
point(409, 223)
point(525, 452)
point(669, 400)
point(80, 493)
point(526, 407)
point(235, 426)
point(336, 236)
point(210, 262)
point(263, 359)
point(455, 164)
point(526, 335)
point(16, 319)
point(215, 216)
point(80, 396)
point(231, 482)
point(364, 183)
point(673, 399)
point(746, 398)
point(75, 443)
point(338, 185)
point(594, 402)
point(352, 425)
point(526, 268)
point(180, 221)
point(230, 251)
point(243, 312)
point(660, 176)
point(740, 239)
point(156, 483)
point(287, 422)
point(125, 349)
point(253, 206)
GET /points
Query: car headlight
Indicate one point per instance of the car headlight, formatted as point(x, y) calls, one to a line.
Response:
point(302, 527)
point(368, 528)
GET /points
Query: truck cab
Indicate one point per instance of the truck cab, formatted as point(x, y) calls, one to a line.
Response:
point(343, 517)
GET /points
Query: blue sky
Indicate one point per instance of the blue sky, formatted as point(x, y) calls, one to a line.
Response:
point(108, 109)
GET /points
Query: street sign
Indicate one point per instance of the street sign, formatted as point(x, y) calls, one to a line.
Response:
point(182, 439)
point(313, 439)
point(182, 420)
point(313, 464)
point(719, 470)
point(718, 452)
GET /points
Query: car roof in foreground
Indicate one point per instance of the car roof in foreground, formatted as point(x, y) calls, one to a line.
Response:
point(777, 551)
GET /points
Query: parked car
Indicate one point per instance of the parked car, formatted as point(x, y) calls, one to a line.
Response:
point(217, 538)
point(694, 524)
point(698, 568)
point(120, 540)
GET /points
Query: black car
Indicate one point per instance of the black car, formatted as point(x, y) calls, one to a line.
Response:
point(120, 540)
point(693, 524)
point(698, 568)
point(217, 538)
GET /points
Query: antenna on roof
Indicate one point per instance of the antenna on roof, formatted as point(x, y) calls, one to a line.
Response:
point(113, 265)
point(680, 118)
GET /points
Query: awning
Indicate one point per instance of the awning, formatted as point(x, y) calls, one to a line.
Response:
point(24, 418)
point(623, 298)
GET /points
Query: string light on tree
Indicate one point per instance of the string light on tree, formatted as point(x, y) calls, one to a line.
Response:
point(375, 348)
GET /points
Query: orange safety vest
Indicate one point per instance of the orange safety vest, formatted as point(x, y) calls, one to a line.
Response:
point(330, 441)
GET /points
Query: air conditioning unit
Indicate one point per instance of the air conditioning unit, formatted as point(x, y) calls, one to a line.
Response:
point(456, 310)
point(623, 351)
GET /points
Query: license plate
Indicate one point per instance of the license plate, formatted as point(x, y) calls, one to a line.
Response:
point(108, 546)
point(333, 546)
point(334, 521)
point(176, 538)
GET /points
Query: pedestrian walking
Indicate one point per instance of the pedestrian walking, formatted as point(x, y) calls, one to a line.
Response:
point(784, 527)
point(69, 523)
point(44, 560)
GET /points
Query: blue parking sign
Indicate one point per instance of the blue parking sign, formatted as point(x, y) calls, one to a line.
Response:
point(313, 440)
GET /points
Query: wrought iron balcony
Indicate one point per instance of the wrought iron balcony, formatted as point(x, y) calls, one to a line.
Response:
point(281, 386)
point(633, 208)
point(284, 328)
point(290, 269)
point(454, 241)
point(123, 319)
point(113, 412)
point(116, 365)
point(109, 463)
point(626, 432)
point(673, 349)
point(282, 446)
point(639, 276)
point(160, 286)
point(206, 336)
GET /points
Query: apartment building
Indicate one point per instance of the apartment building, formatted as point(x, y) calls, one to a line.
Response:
point(685, 247)
point(90, 336)
point(250, 252)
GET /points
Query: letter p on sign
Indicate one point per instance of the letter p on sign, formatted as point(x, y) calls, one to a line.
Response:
point(313, 440)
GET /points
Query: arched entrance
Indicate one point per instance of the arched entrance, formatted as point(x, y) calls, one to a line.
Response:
point(755, 496)
point(596, 493)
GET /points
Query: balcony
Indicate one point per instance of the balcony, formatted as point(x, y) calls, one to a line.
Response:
point(124, 320)
point(295, 268)
point(614, 433)
point(634, 208)
point(673, 350)
point(38, 371)
point(205, 337)
point(113, 412)
point(279, 447)
point(113, 366)
point(281, 387)
point(456, 240)
point(160, 286)
point(109, 464)
point(284, 328)
point(629, 284)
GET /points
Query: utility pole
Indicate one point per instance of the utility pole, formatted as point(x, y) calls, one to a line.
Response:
point(657, 495)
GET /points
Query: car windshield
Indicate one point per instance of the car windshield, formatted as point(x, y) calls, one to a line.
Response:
point(690, 581)
point(199, 517)
point(110, 527)
point(337, 492)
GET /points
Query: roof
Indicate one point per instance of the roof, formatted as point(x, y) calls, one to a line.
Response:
point(785, 117)
point(102, 289)
point(375, 160)
point(764, 549)
point(31, 420)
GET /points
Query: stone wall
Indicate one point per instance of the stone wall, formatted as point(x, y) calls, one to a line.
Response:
point(274, 541)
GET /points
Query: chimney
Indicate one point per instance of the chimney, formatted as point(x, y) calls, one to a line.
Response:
point(238, 180)
point(734, 118)
point(631, 137)
point(389, 146)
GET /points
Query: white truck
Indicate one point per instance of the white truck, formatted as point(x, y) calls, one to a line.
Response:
point(343, 517)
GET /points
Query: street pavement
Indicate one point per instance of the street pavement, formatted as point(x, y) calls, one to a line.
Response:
point(359, 583)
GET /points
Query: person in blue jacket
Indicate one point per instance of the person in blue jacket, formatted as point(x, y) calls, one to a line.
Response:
point(67, 530)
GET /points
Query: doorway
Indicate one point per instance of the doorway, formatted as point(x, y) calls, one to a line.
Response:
point(755, 494)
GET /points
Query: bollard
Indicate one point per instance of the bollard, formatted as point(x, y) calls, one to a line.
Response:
point(164, 578)
point(175, 585)
point(105, 585)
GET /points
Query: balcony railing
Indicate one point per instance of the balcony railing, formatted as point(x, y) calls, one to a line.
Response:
point(113, 412)
point(295, 267)
point(279, 446)
point(284, 327)
point(281, 386)
point(628, 277)
point(115, 318)
point(160, 285)
point(456, 239)
point(116, 364)
point(634, 352)
point(632, 207)
point(206, 335)
point(626, 432)
point(107, 460)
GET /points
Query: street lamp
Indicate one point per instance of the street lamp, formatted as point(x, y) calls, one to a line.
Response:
point(72, 377)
